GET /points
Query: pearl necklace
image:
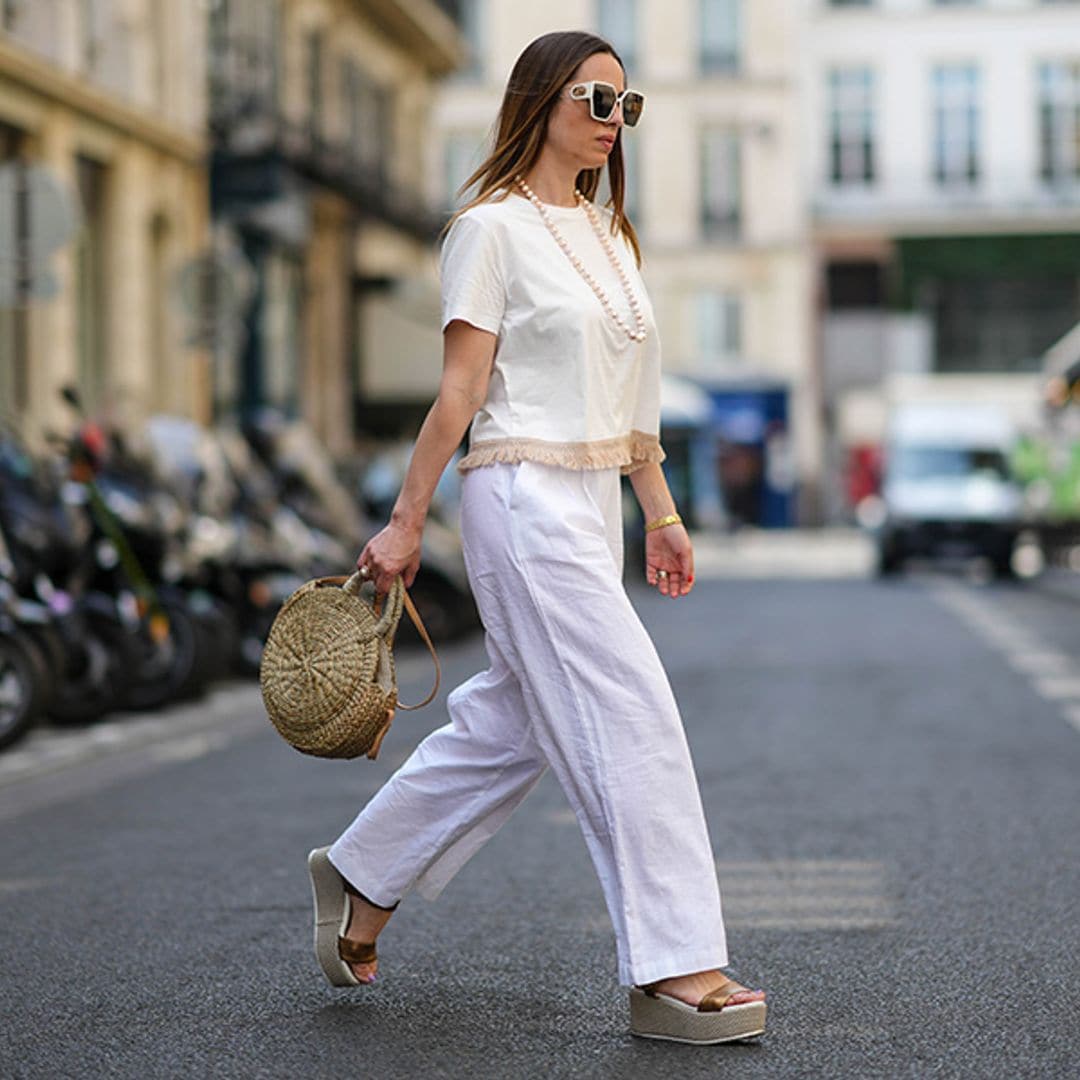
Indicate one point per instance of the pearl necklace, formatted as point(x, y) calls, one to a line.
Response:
point(639, 332)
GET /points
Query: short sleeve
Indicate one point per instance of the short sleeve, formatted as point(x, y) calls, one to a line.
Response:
point(471, 277)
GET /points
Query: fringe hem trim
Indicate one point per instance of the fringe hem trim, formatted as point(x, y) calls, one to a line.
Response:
point(628, 452)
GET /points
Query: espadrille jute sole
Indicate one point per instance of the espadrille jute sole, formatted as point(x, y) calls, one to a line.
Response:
point(331, 918)
point(665, 1017)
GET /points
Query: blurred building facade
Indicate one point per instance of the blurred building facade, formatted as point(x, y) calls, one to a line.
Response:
point(714, 190)
point(942, 158)
point(224, 204)
point(319, 111)
point(103, 197)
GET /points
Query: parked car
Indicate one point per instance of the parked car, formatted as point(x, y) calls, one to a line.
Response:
point(947, 490)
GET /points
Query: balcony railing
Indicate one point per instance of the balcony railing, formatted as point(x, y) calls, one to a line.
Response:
point(249, 130)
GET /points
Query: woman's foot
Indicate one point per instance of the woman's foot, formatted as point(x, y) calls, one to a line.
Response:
point(365, 923)
point(692, 988)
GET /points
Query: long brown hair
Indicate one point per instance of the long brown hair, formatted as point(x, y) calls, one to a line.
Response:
point(521, 128)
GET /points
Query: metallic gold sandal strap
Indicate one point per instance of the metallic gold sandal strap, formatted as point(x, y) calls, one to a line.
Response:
point(716, 999)
point(356, 952)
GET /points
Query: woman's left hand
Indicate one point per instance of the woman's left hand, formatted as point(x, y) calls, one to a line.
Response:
point(669, 560)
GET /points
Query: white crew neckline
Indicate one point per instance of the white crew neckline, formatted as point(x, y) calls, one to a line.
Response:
point(551, 208)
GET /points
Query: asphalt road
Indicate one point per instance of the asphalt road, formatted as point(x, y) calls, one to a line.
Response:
point(890, 774)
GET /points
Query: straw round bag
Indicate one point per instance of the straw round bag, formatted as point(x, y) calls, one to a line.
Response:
point(327, 672)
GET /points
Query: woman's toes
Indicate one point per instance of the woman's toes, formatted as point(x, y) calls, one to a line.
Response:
point(364, 972)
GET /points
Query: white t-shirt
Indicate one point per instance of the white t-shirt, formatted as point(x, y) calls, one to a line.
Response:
point(568, 386)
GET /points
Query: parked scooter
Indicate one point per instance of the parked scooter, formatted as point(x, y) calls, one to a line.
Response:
point(56, 615)
point(237, 549)
point(128, 545)
point(21, 686)
point(441, 590)
point(308, 481)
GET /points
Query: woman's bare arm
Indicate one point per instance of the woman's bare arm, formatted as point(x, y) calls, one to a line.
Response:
point(467, 359)
point(669, 554)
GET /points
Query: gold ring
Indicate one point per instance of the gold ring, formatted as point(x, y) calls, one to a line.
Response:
point(365, 571)
point(661, 573)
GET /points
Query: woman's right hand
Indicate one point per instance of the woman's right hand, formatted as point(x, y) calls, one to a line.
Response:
point(391, 551)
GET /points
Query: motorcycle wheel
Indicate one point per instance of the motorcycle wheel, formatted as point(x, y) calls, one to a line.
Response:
point(254, 630)
point(218, 639)
point(167, 669)
point(41, 667)
point(88, 686)
point(17, 711)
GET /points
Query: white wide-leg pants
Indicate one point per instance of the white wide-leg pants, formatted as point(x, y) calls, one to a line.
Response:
point(574, 683)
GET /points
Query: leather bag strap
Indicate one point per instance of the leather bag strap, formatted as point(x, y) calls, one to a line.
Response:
point(421, 629)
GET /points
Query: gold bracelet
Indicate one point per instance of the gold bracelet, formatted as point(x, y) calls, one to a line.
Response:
point(659, 523)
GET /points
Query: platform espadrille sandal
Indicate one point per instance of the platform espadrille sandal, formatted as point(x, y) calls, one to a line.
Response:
point(655, 1015)
point(332, 949)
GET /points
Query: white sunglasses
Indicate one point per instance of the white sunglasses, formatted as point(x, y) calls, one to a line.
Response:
point(603, 101)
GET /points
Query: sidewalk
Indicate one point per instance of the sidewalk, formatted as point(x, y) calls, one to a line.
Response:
point(91, 756)
point(1058, 582)
point(784, 553)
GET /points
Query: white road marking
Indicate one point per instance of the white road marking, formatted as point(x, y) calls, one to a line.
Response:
point(1058, 688)
point(806, 894)
point(783, 553)
point(17, 885)
point(1040, 663)
point(188, 748)
point(797, 894)
point(1072, 714)
point(1054, 676)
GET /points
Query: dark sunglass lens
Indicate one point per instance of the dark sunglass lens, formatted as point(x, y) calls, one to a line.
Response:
point(603, 100)
point(632, 106)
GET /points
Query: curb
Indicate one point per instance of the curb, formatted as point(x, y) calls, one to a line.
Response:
point(225, 713)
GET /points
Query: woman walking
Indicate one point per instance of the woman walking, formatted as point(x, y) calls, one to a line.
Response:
point(551, 361)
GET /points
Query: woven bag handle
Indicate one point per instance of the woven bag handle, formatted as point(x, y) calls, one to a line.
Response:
point(391, 611)
point(398, 597)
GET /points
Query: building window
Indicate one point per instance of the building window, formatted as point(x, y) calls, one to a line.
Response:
point(245, 50)
point(616, 21)
point(463, 151)
point(369, 118)
point(721, 184)
point(718, 319)
point(91, 281)
point(349, 83)
point(470, 22)
point(14, 327)
point(855, 283)
point(161, 359)
point(384, 105)
point(313, 73)
point(956, 124)
point(1059, 122)
point(282, 330)
point(93, 31)
point(851, 126)
point(719, 35)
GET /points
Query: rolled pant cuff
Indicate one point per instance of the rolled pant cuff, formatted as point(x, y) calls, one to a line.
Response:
point(672, 964)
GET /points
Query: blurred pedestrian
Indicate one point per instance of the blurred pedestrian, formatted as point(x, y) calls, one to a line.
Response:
point(551, 361)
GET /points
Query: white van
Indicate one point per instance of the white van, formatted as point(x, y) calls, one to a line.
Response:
point(946, 486)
